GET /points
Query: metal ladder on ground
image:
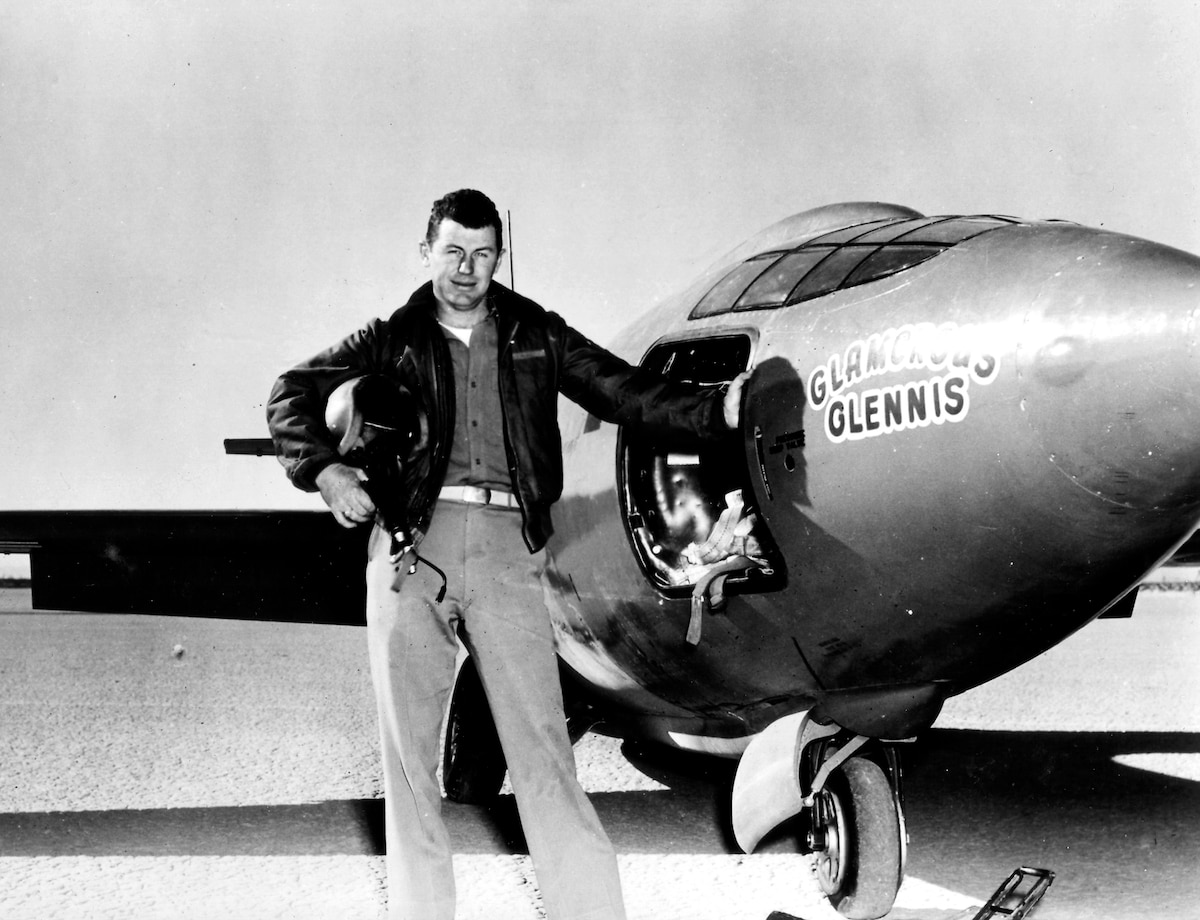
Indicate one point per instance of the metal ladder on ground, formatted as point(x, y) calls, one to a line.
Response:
point(1012, 900)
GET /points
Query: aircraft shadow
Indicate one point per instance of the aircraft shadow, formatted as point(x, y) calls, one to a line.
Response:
point(980, 803)
point(1007, 795)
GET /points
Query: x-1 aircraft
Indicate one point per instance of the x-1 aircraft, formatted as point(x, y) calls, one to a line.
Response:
point(964, 438)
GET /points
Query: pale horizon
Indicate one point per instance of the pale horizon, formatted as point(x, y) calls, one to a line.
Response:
point(198, 199)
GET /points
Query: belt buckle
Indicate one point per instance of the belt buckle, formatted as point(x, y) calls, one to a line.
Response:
point(477, 495)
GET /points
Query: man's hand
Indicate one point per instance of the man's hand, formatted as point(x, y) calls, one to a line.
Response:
point(733, 399)
point(341, 487)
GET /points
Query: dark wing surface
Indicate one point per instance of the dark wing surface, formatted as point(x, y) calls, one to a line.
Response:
point(290, 566)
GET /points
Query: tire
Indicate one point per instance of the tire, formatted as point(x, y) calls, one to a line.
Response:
point(473, 764)
point(861, 870)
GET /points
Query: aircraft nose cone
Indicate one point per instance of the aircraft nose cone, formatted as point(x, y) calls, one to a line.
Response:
point(1110, 372)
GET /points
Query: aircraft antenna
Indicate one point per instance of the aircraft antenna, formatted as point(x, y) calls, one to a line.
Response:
point(512, 283)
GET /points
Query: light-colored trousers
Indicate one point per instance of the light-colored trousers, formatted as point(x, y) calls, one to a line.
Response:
point(495, 601)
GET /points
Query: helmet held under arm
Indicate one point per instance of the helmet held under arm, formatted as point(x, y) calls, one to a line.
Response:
point(379, 425)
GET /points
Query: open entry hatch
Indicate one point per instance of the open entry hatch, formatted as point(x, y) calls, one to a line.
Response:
point(689, 510)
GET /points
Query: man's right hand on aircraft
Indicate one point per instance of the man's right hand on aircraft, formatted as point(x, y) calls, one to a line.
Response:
point(732, 405)
point(341, 487)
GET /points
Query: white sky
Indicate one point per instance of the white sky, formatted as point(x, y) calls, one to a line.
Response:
point(195, 196)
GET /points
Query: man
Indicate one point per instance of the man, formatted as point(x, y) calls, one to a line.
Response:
point(487, 366)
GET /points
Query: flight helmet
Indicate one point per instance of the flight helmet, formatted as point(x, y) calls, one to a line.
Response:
point(374, 413)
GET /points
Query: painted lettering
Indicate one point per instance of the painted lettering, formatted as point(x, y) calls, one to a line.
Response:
point(817, 387)
point(949, 353)
point(836, 380)
point(854, 423)
point(984, 368)
point(870, 403)
point(835, 420)
point(854, 363)
point(876, 361)
point(893, 401)
point(916, 404)
point(956, 397)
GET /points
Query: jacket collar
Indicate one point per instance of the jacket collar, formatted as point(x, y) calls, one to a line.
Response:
point(503, 304)
point(499, 300)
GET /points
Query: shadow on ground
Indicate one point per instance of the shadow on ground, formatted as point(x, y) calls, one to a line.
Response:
point(978, 805)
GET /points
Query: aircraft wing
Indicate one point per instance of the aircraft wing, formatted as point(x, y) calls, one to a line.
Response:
point(292, 566)
point(286, 566)
point(1188, 553)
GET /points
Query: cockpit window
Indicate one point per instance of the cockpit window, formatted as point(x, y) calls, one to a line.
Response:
point(732, 285)
point(837, 260)
point(772, 287)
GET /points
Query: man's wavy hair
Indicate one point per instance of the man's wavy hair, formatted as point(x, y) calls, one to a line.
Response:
point(473, 209)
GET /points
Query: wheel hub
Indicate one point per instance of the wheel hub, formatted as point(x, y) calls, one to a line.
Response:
point(830, 833)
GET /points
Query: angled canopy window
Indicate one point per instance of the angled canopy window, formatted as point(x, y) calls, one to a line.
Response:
point(951, 231)
point(843, 258)
point(830, 273)
point(729, 288)
point(773, 287)
point(887, 260)
point(895, 228)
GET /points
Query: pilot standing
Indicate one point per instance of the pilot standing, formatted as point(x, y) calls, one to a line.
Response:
point(486, 366)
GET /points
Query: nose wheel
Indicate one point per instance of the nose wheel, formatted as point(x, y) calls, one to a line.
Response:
point(857, 836)
point(828, 841)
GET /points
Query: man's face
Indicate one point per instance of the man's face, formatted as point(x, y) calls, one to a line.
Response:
point(462, 262)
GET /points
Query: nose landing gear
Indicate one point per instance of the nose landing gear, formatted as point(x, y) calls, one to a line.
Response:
point(849, 786)
point(857, 836)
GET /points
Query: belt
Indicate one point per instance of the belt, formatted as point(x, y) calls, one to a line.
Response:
point(478, 495)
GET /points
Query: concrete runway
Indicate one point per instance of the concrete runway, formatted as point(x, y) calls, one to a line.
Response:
point(186, 768)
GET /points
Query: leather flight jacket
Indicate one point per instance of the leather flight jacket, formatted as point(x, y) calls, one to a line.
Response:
point(540, 357)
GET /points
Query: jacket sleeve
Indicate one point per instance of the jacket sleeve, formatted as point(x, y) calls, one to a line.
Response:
point(616, 391)
point(296, 408)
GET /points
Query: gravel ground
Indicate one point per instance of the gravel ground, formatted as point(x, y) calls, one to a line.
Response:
point(159, 767)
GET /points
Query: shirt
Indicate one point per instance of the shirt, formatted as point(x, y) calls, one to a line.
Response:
point(477, 455)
